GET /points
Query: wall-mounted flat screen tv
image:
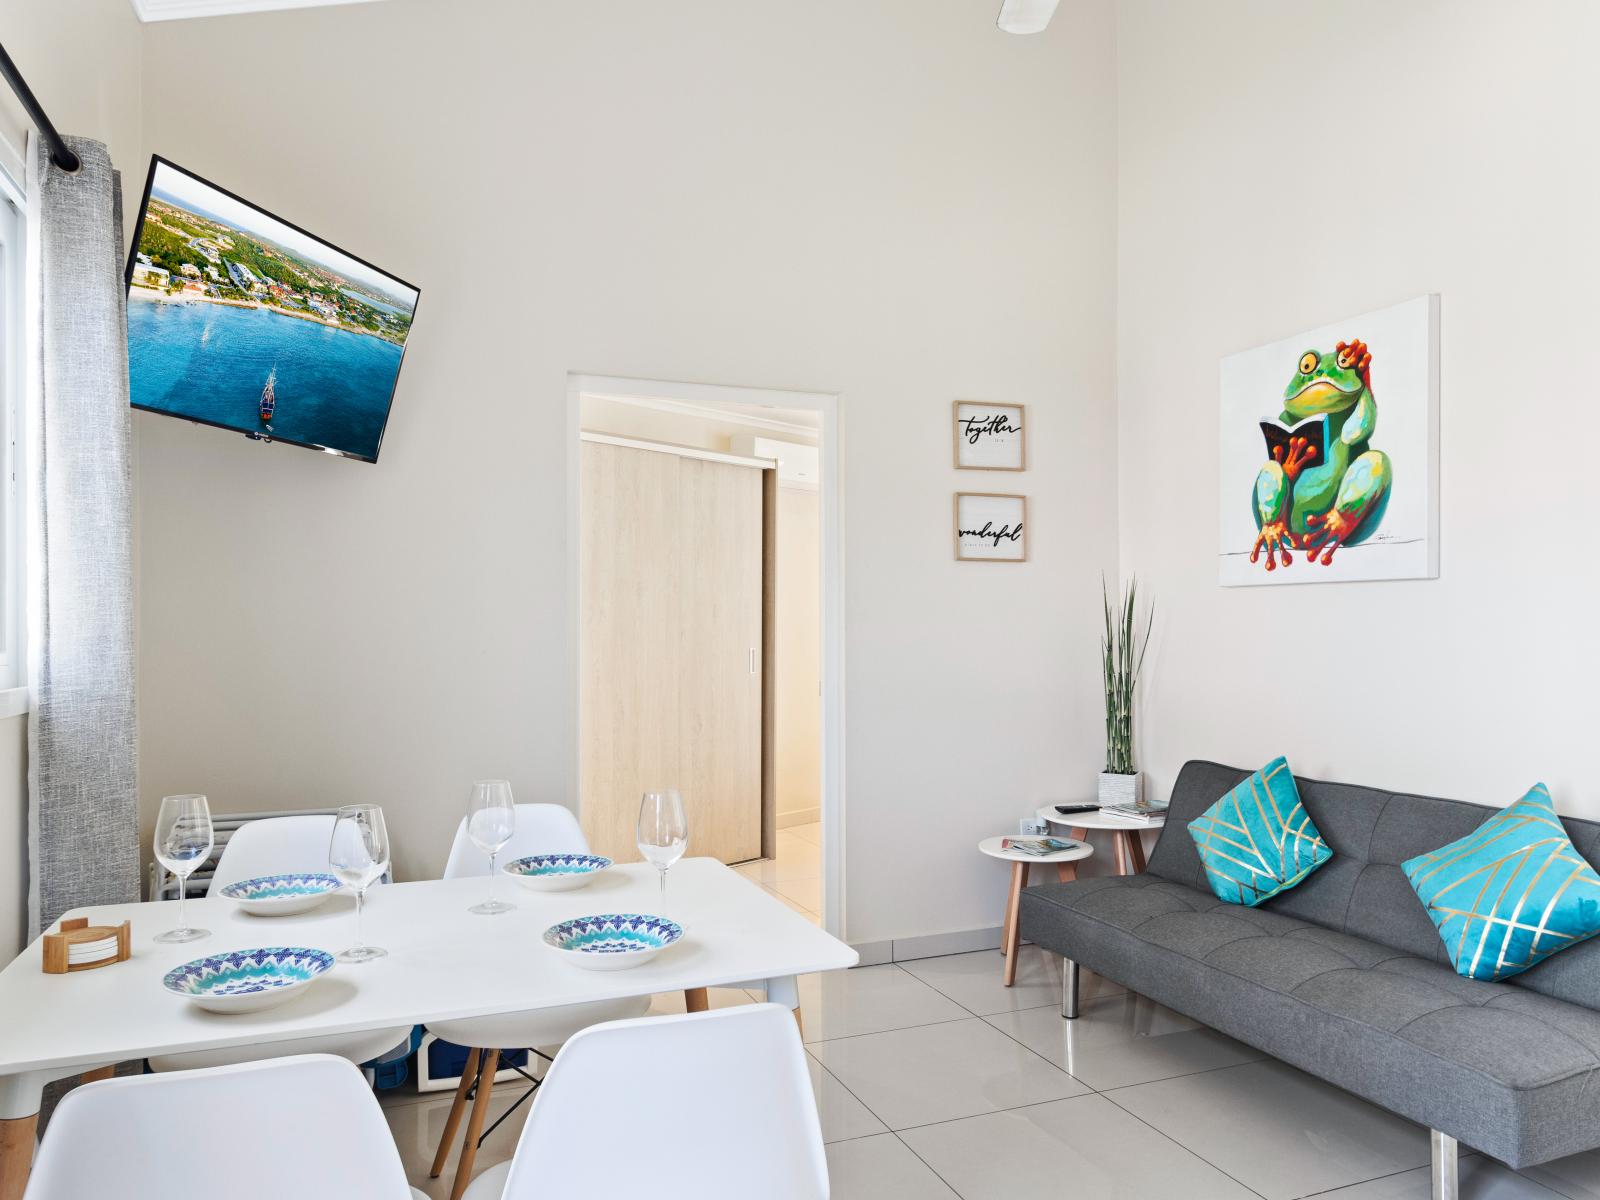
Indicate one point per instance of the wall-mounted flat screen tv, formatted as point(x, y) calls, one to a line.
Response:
point(238, 319)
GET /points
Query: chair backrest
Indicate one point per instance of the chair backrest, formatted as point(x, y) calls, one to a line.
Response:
point(307, 1127)
point(698, 1104)
point(541, 829)
point(274, 846)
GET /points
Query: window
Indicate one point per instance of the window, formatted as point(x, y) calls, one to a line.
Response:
point(13, 668)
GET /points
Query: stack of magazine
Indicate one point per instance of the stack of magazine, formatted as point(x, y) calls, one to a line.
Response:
point(1148, 811)
point(1039, 847)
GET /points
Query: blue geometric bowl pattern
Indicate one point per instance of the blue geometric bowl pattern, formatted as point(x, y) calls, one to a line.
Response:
point(246, 972)
point(278, 887)
point(614, 933)
point(546, 865)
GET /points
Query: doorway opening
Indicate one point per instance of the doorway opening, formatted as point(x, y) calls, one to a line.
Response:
point(705, 625)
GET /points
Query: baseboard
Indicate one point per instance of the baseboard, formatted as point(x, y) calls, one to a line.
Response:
point(927, 945)
point(800, 816)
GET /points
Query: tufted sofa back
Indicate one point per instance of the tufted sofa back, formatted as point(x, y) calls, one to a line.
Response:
point(1361, 889)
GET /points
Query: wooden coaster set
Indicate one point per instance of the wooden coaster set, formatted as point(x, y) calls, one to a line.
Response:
point(80, 946)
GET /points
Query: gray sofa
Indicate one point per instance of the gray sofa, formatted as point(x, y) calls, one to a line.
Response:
point(1345, 977)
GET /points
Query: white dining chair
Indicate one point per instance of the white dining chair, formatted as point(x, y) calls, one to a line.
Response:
point(306, 1127)
point(712, 1105)
point(541, 829)
point(282, 846)
point(274, 846)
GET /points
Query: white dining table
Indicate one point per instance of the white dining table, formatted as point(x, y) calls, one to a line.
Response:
point(443, 962)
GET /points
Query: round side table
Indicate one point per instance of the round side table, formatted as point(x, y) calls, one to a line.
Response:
point(1125, 840)
point(1066, 865)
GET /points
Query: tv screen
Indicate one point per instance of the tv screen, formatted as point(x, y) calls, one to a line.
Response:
point(238, 319)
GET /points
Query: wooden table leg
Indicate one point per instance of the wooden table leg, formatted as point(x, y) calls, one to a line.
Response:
point(800, 1024)
point(457, 1107)
point(16, 1155)
point(1019, 880)
point(696, 1000)
point(1136, 851)
point(488, 1068)
point(1119, 843)
point(1066, 872)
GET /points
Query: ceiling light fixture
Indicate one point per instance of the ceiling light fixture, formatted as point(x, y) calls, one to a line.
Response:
point(1026, 16)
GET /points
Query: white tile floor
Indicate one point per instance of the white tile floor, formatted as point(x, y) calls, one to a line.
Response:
point(935, 1081)
point(794, 875)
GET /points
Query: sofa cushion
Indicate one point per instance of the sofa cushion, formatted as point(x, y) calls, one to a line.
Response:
point(1362, 890)
point(1511, 893)
point(1508, 1071)
point(1257, 840)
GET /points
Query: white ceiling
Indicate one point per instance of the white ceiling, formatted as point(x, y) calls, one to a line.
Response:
point(177, 10)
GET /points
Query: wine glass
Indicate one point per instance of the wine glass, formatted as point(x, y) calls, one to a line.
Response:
point(663, 831)
point(491, 820)
point(183, 841)
point(359, 855)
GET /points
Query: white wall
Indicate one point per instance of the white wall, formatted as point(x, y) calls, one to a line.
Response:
point(1281, 166)
point(891, 201)
point(82, 61)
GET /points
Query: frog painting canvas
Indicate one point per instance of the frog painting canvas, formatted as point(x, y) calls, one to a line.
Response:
point(1329, 453)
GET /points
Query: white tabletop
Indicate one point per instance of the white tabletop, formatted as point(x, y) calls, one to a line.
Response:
point(443, 962)
point(1095, 819)
point(992, 847)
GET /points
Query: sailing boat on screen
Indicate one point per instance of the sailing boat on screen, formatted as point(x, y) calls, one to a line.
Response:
point(269, 397)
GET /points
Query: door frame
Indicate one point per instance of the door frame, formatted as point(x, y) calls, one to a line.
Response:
point(705, 399)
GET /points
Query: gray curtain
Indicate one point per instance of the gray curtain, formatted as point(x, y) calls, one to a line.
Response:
point(83, 804)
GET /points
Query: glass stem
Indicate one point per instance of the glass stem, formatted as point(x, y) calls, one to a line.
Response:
point(662, 871)
point(492, 854)
point(183, 900)
point(361, 942)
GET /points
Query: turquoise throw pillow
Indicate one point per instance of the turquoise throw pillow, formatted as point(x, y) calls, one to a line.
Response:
point(1509, 894)
point(1258, 840)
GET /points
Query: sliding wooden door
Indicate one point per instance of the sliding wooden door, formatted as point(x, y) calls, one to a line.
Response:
point(669, 644)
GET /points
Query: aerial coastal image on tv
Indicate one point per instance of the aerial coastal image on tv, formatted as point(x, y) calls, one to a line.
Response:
point(240, 320)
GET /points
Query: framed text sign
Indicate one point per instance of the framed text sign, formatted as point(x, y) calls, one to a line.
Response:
point(991, 527)
point(988, 437)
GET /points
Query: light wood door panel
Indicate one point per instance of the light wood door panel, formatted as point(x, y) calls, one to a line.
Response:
point(670, 631)
point(719, 722)
point(628, 639)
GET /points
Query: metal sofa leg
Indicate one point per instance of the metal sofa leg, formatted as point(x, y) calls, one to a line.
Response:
point(1069, 989)
point(1446, 1186)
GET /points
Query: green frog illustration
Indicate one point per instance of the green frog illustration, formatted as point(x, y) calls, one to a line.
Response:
point(1322, 485)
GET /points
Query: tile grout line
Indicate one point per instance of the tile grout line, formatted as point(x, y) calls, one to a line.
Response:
point(895, 1133)
point(1186, 1149)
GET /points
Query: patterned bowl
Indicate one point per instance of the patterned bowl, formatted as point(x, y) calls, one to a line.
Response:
point(612, 941)
point(247, 980)
point(556, 872)
point(281, 895)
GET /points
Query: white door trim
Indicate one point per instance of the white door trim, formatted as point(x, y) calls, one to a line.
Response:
point(718, 396)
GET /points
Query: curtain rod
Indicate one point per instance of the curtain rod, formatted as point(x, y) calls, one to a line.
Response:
point(60, 153)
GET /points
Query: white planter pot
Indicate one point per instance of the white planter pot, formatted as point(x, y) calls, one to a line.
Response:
point(1121, 789)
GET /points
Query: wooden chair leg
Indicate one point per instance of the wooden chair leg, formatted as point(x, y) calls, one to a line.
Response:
point(99, 1073)
point(453, 1122)
point(488, 1067)
point(696, 1000)
point(1019, 880)
point(16, 1154)
point(800, 1023)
